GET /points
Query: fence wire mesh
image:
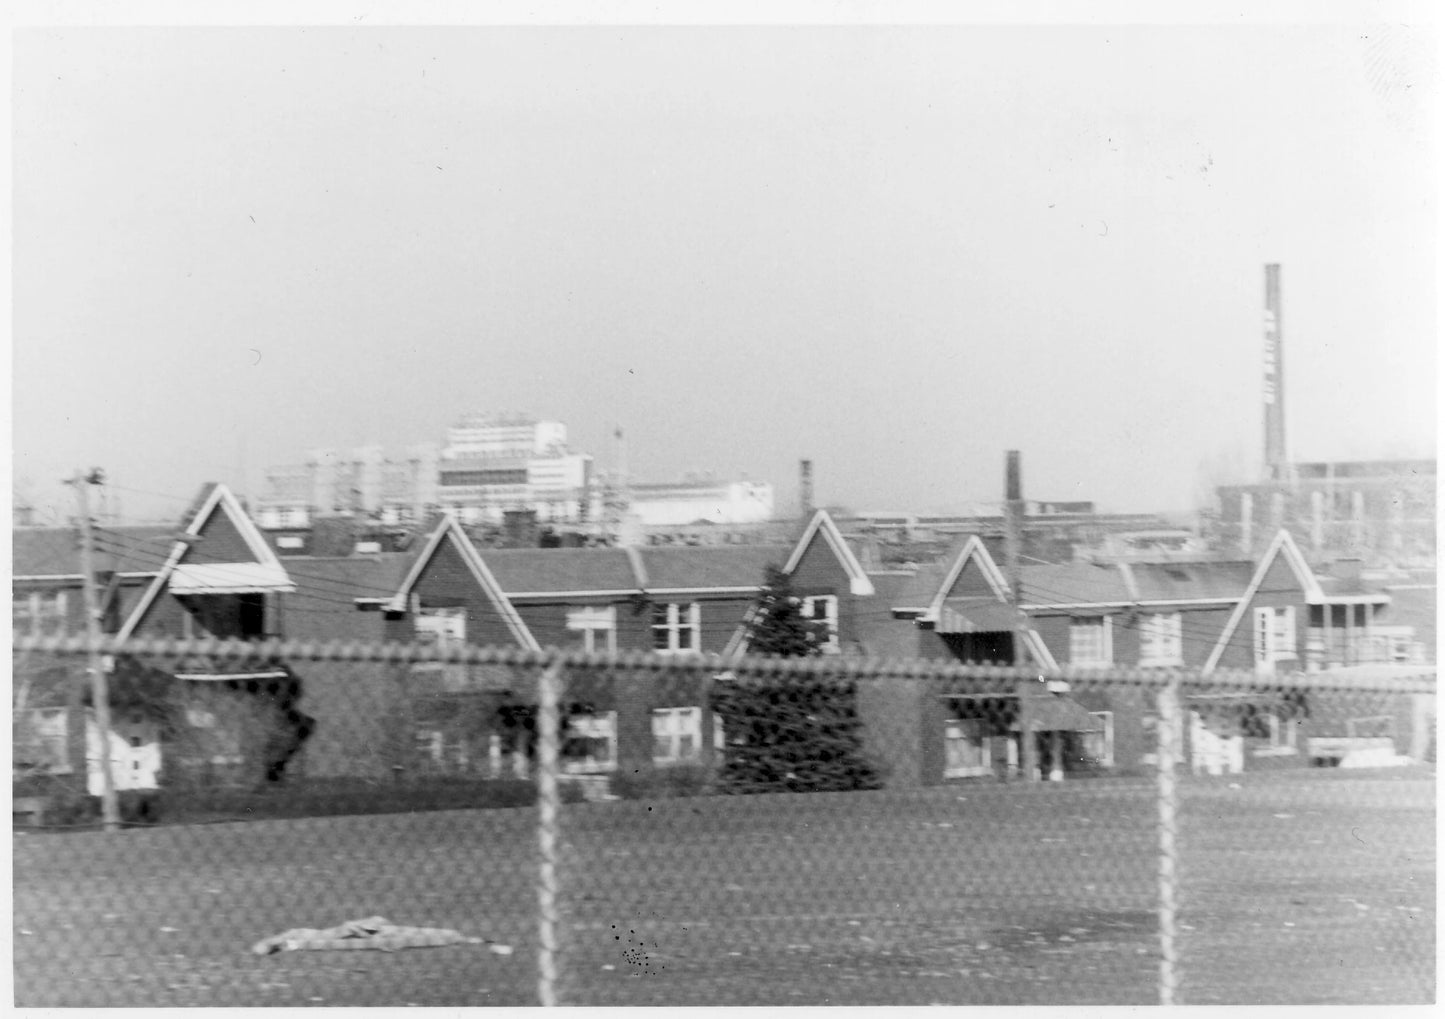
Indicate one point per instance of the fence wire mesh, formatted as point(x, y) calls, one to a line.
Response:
point(522, 828)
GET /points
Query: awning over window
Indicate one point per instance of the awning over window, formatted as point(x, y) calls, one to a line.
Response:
point(229, 578)
point(216, 669)
point(981, 615)
point(227, 677)
point(1060, 714)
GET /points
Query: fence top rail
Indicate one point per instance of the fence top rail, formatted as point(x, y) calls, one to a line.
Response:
point(724, 667)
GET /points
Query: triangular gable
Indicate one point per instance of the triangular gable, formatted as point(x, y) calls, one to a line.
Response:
point(822, 523)
point(449, 529)
point(1284, 552)
point(190, 570)
point(975, 552)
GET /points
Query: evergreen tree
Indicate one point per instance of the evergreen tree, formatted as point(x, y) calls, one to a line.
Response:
point(778, 626)
point(790, 734)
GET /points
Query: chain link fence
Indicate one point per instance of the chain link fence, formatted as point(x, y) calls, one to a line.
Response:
point(517, 828)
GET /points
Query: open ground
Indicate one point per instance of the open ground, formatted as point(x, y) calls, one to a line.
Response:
point(1296, 887)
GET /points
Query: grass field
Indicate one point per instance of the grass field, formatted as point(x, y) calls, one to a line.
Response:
point(1297, 887)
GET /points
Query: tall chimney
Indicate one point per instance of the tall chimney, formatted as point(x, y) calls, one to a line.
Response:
point(1013, 482)
point(805, 486)
point(1276, 459)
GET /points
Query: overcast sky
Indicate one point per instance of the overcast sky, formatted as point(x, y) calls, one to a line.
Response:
point(895, 251)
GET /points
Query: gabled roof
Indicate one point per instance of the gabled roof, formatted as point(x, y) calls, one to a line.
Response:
point(528, 572)
point(1203, 581)
point(1341, 590)
point(731, 568)
point(53, 553)
point(916, 594)
point(1074, 584)
point(189, 570)
point(1283, 548)
point(822, 523)
point(973, 550)
point(344, 580)
point(447, 528)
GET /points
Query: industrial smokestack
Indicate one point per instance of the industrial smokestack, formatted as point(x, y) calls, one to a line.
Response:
point(805, 486)
point(1276, 458)
point(1013, 483)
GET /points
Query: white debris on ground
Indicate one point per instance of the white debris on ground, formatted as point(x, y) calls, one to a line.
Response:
point(372, 932)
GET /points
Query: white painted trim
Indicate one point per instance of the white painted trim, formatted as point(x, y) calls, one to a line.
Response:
point(639, 568)
point(1040, 650)
point(221, 496)
point(219, 677)
point(738, 643)
point(552, 595)
point(1131, 585)
point(858, 582)
point(450, 526)
point(1131, 604)
point(974, 547)
point(705, 590)
point(1295, 559)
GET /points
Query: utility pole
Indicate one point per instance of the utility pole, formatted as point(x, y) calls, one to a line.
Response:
point(1013, 538)
point(99, 687)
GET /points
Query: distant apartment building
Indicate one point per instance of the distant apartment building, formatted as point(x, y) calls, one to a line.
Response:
point(488, 469)
point(1380, 511)
point(496, 463)
point(357, 482)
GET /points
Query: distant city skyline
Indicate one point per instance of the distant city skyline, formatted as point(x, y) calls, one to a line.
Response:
point(895, 251)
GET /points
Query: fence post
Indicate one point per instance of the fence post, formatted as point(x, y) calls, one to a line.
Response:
point(548, 801)
point(1167, 756)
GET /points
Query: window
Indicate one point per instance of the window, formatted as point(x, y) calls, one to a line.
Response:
point(591, 744)
point(1099, 746)
point(1274, 636)
point(1153, 733)
point(442, 627)
point(40, 738)
point(676, 628)
point(676, 735)
point(39, 613)
point(595, 626)
point(1161, 639)
point(1091, 641)
point(823, 608)
point(966, 750)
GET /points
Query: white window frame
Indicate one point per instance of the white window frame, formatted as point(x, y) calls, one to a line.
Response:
point(673, 627)
point(955, 734)
point(48, 730)
point(441, 627)
point(674, 725)
point(1105, 757)
point(596, 626)
point(55, 606)
point(1275, 636)
point(1161, 639)
point(1104, 625)
point(599, 726)
point(809, 606)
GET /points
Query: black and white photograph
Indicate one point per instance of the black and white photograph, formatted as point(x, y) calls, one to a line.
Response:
point(649, 504)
